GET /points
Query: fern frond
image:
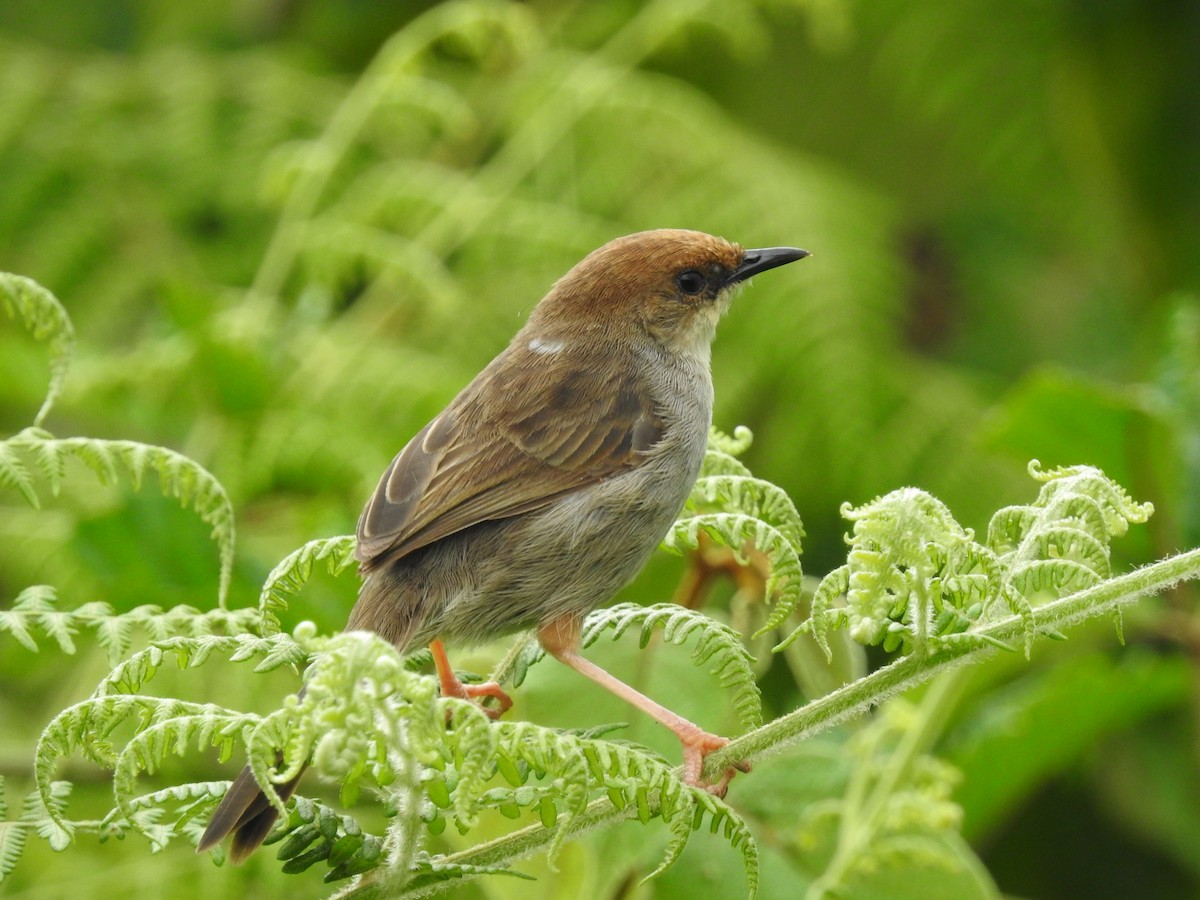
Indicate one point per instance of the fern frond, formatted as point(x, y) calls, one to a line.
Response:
point(914, 578)
point(767, 503)
point(429, 871)
point(46, 319)
point(35, 612)
point(754, 497)
point(898, 800)
point(164, 726)
point(715, 642)
point(86, 726)
point(132, 674)
point(737, 531)
point(179, 476)
point(630, 777)
point(650, 786)
point(1060, 543)
point(314, 833)
point(719, 463)
point(12, 836)
point(40, 812)
point(476, 28)
point(720, 816)
point(15, 474)
point(171, 731)
point(145, 814)
point(733, 664)
point(553, 753)
point(293, 571)
point(720, 456)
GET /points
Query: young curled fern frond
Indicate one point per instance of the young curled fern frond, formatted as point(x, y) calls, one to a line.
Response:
point(46, 319)
point(359, 701)
point(718, 463)
point(363, 712)
point(178, 475)
point(290, 574)
point(740, 512)
point(1060, 543)
point(170, 730)
point(914, 578)
point(754, 497)
point(739, 531)
point(35, 614)
point(723, 450)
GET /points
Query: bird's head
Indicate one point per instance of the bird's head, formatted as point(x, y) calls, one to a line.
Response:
point(669, 285)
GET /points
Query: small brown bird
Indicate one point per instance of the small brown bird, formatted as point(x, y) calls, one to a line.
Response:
point(542, 489)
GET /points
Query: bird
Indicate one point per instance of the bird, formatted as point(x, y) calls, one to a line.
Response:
point(545, 485)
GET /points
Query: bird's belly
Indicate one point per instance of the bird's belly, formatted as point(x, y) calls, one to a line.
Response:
point(565, 560)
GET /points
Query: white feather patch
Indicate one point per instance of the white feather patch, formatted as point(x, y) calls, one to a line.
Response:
point(537, 345)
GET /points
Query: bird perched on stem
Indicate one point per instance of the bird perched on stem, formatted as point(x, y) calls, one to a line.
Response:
point(544, 486)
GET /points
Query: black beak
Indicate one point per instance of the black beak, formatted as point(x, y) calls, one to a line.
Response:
point(755, 261)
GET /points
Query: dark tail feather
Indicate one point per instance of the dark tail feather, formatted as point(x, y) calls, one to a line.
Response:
point(245, 813)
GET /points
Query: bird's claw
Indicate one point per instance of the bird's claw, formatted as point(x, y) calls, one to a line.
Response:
point(477, 692)
point(696, 746)
point(493, 690)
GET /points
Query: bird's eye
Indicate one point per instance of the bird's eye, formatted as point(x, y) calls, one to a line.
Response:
point(690, 281)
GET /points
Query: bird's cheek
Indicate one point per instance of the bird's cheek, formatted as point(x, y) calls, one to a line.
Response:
point(665, 322)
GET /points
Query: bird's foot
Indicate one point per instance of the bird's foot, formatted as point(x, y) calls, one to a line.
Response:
point(452, 686)
point(480, 692)
point(477, 693)
point(697, 744)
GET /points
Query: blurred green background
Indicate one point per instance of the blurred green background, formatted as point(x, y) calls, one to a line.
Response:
point(284, 250)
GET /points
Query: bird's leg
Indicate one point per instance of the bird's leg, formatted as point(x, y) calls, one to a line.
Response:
point(452, 687)
point(560, 639)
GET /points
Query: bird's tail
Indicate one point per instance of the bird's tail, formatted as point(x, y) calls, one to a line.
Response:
point(245, 813)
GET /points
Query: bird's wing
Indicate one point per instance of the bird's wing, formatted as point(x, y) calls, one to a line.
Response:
point(525, 432)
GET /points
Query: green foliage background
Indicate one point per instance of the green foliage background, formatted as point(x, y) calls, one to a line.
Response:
point(283, 250)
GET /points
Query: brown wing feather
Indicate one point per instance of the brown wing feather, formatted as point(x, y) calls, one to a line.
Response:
point(525, 432)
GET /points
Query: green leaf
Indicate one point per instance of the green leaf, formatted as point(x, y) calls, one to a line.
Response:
point(46, 319)
point(1044, 722)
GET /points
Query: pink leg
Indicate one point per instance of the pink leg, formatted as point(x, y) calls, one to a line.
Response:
point(452, 687)
point(560, 639)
